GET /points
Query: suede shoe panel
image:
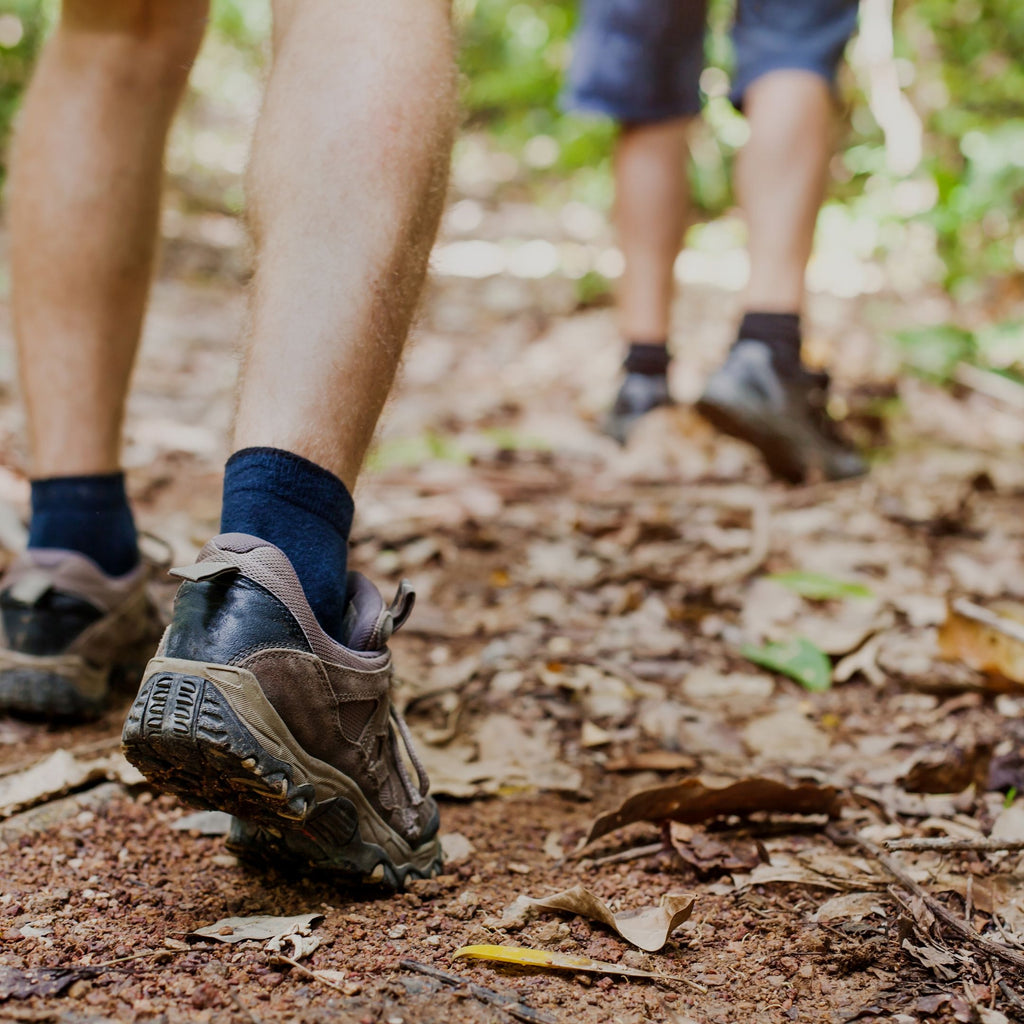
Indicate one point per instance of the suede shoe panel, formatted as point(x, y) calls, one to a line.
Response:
point(252, 708)
point(66, 628)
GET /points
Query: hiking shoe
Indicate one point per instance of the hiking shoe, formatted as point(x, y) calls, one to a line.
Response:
point(249, 707)
point(780, 410)
point(638, 394)
point(67, 629)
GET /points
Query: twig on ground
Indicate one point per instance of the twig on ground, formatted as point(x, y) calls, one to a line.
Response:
point(895, 870)
point(760, 544)
point(305, 971)
point(163, 951)
point(510, 1004)
point(951, 844)
point(1008, 937)
point(632, 854)
point(1011, 997)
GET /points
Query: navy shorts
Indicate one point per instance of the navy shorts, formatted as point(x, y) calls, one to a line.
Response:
point(640, 60)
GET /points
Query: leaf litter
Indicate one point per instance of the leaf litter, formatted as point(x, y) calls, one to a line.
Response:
point(566, 583)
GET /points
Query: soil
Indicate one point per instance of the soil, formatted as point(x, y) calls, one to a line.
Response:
point(596, 599)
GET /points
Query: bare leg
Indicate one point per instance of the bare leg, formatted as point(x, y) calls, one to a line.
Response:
point(780, 180)
point(346, 185)
point(85, 188)
point(651, 200)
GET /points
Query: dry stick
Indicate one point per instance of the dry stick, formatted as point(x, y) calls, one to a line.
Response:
point(633, 854)
point(512, 1006)
point(1011, 996)
point(892, 868)
point(1008, 937)
point(760, 544)
point(305, 971)
point(945, 844)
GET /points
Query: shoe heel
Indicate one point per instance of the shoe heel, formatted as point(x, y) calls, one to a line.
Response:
point(184, 736)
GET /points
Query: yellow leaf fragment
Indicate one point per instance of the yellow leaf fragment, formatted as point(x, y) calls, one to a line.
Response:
point(524, 956)
point(988, 640)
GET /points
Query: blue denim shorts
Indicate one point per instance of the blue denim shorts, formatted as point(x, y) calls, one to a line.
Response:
point(640, 60)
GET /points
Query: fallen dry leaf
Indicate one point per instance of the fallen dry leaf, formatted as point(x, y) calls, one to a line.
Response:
point(950, 770)
point(58, 773)
point(692, 801)
point(206, 823)
point(260, 927)
point(709, 855)
point(647, 929)
point(989, 641)
point(16, 983)
point(302, 945)
point(456, 847)
point(851, 906)
point(523, 956)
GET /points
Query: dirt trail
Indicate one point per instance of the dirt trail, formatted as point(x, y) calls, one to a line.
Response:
point(578, 605)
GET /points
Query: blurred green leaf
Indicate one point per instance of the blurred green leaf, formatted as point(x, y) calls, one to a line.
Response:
point(414, 451)
point(934, 352)
point(819, 587)
point(798, 658)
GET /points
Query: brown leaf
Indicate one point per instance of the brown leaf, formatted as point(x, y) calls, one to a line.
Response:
point(987, 640)
point(40, 981)
point(647, 928)
point(951, 770)
point(692, 801)
point(708, 855)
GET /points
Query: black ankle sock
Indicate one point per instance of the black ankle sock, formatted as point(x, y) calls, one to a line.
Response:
point(779, 331)
point(647, 357)
point(88, 514)
point(302, 508)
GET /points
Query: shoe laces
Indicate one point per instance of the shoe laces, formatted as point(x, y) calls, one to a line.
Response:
point(419, 789)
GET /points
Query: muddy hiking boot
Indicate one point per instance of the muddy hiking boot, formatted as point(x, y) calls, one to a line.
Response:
point(68, 631)
point(250, 707)
point(781, 410)
point(638, 394)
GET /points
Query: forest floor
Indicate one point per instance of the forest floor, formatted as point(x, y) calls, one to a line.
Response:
point(577, 638)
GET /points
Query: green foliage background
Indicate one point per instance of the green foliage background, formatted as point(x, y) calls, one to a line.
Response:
point(962, 62)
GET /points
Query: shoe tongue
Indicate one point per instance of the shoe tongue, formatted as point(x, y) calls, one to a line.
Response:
point(365, 616)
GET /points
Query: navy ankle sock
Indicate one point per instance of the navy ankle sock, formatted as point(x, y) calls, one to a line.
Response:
point(88, 514)
point(779, 331)
point(302, 508)
point(650, 358)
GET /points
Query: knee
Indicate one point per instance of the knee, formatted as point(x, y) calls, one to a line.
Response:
point(147, 44)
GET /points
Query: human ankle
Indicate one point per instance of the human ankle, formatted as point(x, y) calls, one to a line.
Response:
point(304, 510)
point(780, 332)
point(89, 514)
point(650, 358)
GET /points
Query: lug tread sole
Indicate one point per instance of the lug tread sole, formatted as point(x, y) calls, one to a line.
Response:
point(184, 736)
point(776, 453)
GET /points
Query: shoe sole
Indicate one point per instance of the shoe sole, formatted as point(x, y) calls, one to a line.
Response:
point(754, 432)
point(208, 734)
point(51, 687)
